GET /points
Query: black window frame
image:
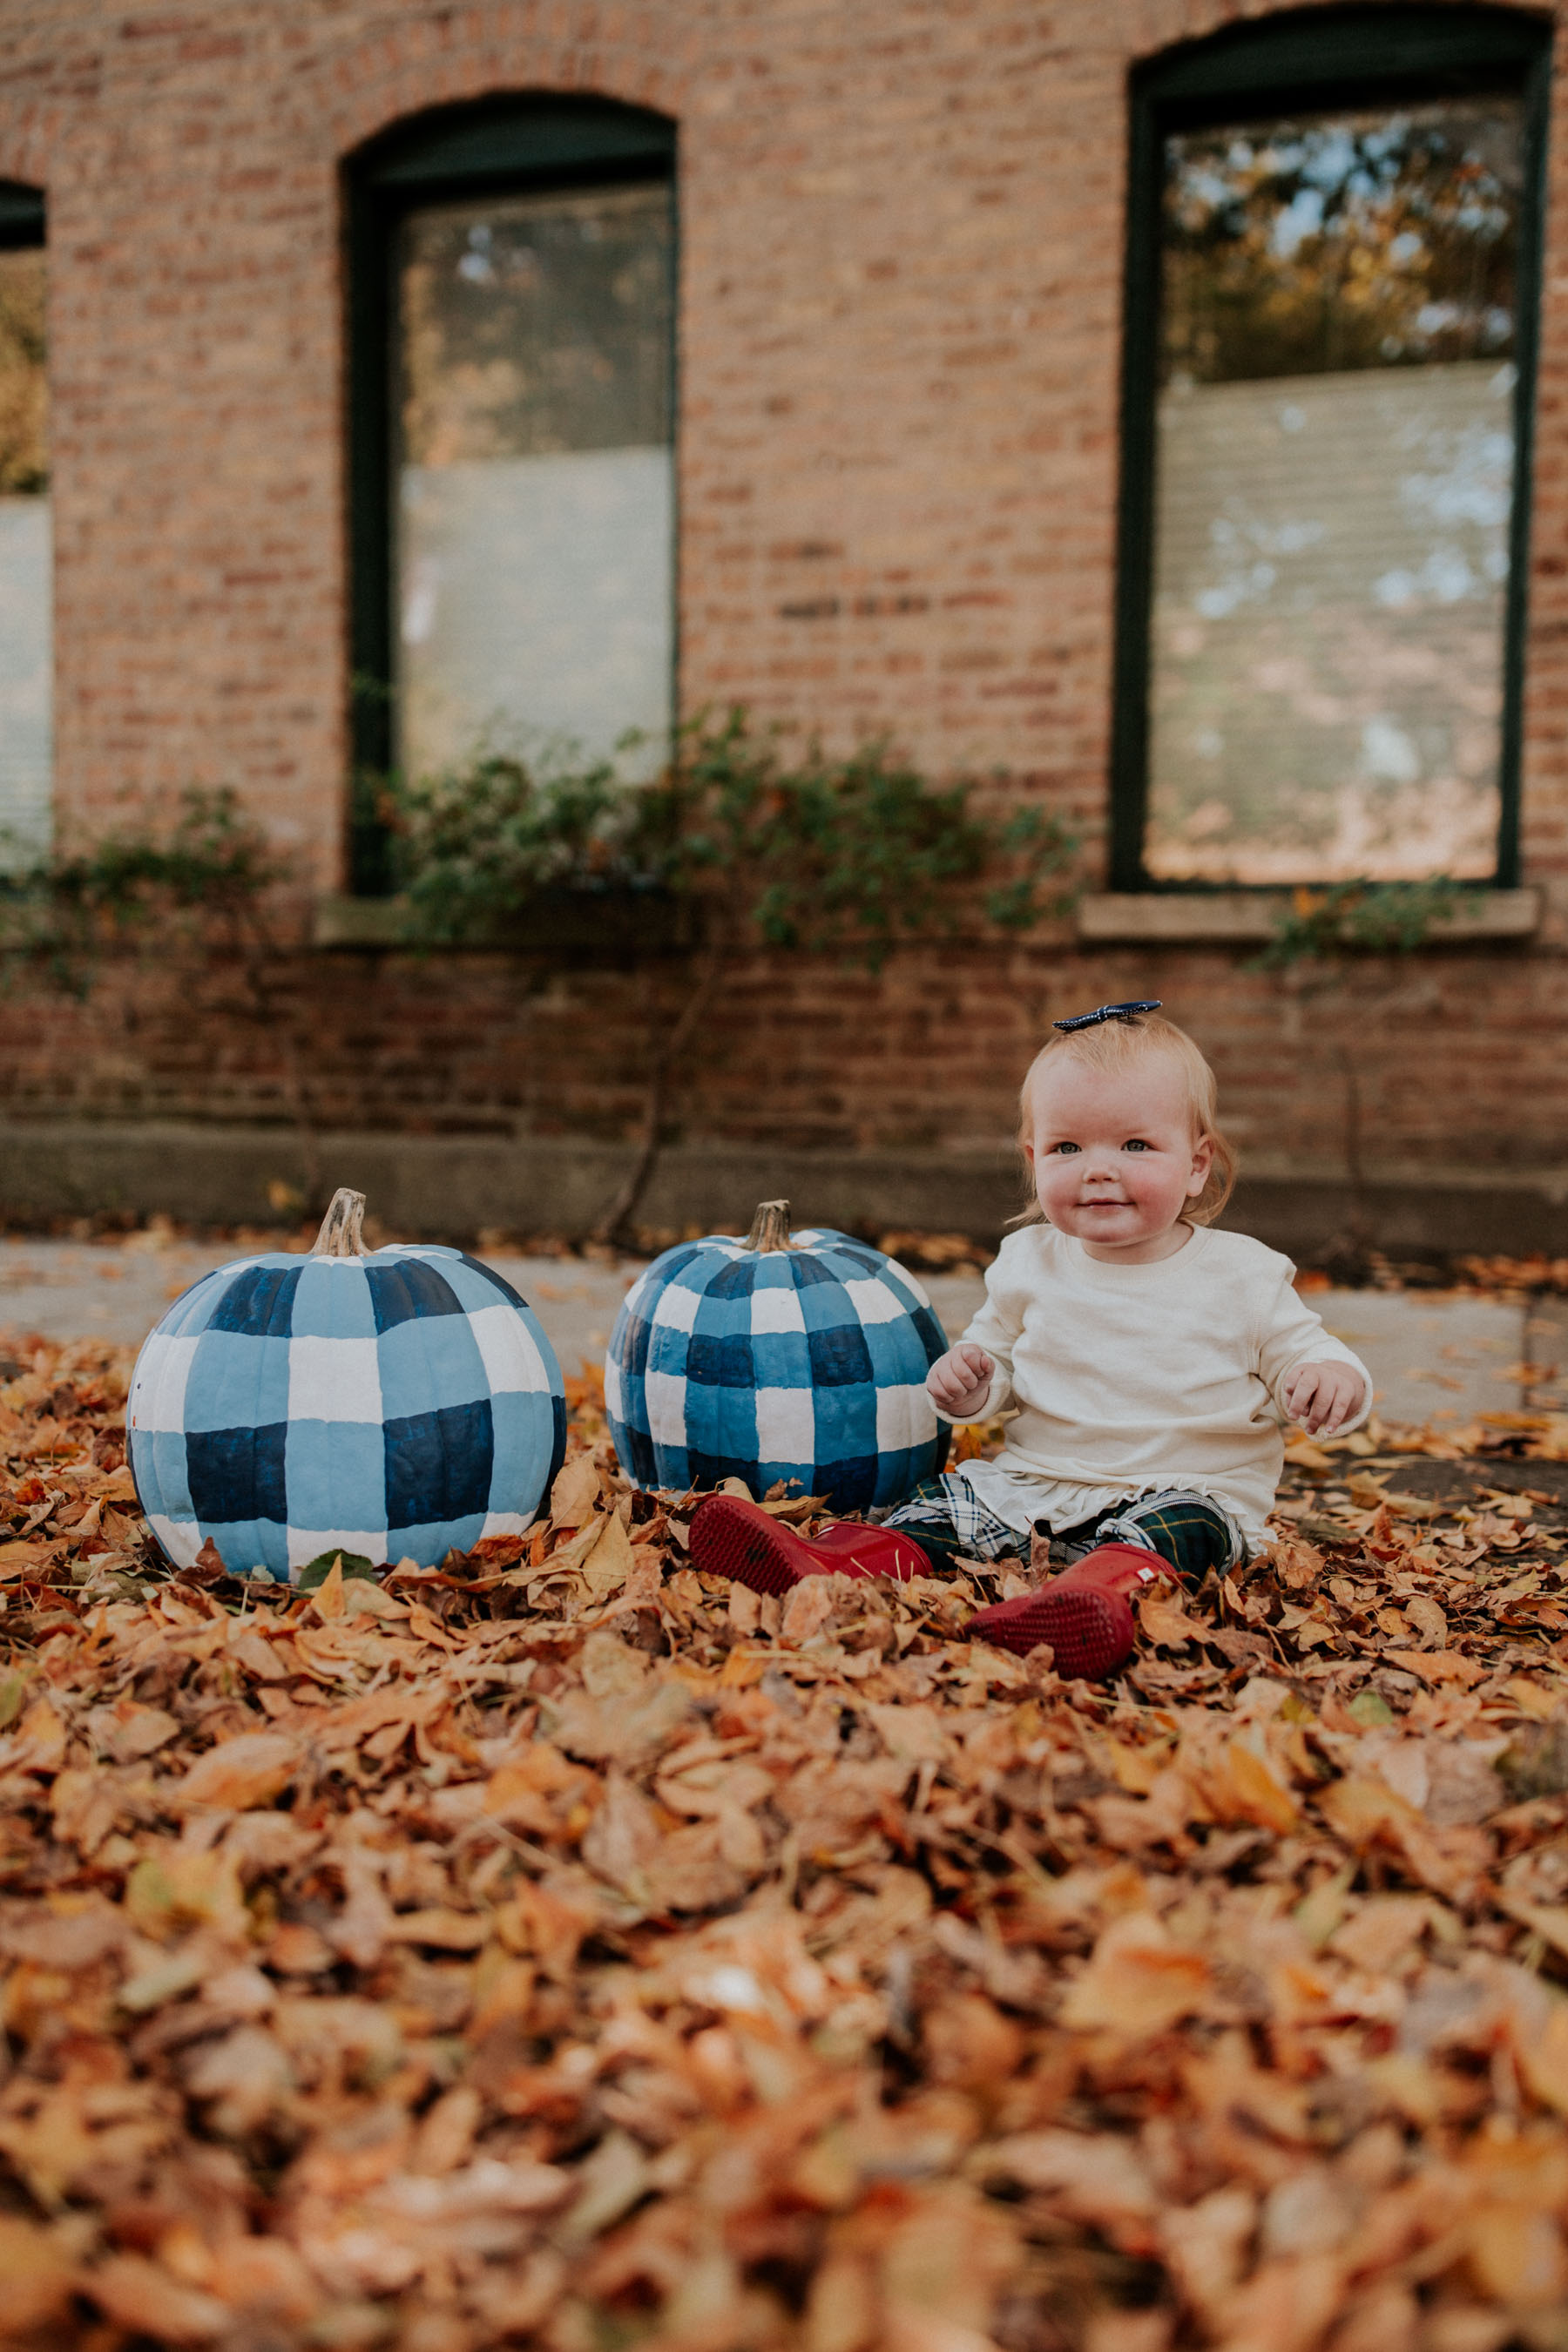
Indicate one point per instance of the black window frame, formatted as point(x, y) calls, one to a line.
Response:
point(23, 228)
point(1308, 61)
point(23, 216)
point(518, 143)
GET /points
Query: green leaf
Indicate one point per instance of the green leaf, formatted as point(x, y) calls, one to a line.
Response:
point(1367, 917)
point(315, 1572)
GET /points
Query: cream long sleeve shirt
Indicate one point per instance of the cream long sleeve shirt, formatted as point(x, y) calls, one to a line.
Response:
point(1129, 1379)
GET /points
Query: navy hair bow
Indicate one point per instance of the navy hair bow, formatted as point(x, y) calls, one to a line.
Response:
point(1109, 1013)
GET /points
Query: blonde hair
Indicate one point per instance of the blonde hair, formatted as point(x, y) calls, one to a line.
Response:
point(1116, 1045)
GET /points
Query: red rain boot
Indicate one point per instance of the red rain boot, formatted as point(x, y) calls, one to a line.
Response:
point(733, 1539)
point(1084, 1613)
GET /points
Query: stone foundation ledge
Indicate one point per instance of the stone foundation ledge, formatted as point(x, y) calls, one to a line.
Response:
point(453, 1186)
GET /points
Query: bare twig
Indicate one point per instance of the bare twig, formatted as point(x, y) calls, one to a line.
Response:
point(665, 1046)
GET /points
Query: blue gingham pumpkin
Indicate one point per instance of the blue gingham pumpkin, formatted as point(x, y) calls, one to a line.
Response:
point(772, 1358)
point(395, 1404)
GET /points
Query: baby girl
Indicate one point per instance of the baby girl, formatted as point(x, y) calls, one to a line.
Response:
point(1147, 1364)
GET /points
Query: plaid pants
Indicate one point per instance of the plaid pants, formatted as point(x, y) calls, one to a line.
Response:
point(948, 1519)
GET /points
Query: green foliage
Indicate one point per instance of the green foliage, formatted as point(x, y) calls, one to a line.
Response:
point(819, 853)
point(1365, 918)
point(61, 916)
point(473, 847)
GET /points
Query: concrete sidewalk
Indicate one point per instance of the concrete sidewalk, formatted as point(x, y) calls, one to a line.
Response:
point(109, 1290)
point(1432, 1357)
point(67, 1290)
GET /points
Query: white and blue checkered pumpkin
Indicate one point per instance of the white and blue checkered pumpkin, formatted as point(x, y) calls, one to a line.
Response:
point(803, 1360)
point(396, 1403)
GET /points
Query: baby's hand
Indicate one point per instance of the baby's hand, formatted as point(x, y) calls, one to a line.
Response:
point(958, 1381)
point(1322, 1397)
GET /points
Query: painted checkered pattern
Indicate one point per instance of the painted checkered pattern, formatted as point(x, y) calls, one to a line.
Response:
point(807, 1364)
point(396, 1405)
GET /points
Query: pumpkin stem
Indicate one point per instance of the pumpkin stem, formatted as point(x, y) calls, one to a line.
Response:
point(770, 1227)
point(339, 1235)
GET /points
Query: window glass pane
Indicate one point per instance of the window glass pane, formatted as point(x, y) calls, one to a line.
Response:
point(25, 583)
point(535, 472)
point(1334, 480)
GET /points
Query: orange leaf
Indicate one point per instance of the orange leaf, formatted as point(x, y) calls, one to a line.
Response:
point(241, 1773)
point(142, 2296)
point(1136, 1981)
point(39, 1742)
point(1166, 1622)
point(1254, 1789)
point(444, 1929)
point(1542, 2058)
point(1439, 1667)
point(39, 2275)
point(576, 1491)
point(1518, 2255)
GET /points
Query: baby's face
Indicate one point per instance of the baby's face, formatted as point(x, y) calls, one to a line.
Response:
point(1114, 1157)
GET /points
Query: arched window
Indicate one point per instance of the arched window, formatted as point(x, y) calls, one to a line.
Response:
point(27, 569)
point(512, 278)
point(1333, 254)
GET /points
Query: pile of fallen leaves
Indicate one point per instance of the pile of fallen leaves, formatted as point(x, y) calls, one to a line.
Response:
point(562, 1947)
point(1497, 1272)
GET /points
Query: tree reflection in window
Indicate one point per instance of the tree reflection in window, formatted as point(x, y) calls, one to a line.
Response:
point(535, 471)
point(1334, 487)
point(26, 561)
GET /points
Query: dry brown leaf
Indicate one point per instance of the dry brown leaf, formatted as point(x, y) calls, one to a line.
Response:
point(1538, 1699)
point(39, 2275)
point(1428, 1620)
point(1245, 1786)
point(1381, 1931)
point(1359, 1810)
point(142, 2296)
point(441, 1928)
point(1412, 1506)
point(76, 1939)
point(1443, 1666)
point(577, 1492)
point(1547, 1920)
point(243, 1772)
point(609, 1561)
point(1299, 1566)
point(128, 1731)
point(37, 1744)
point(913, 1734)
point(624, 1836)
point(1164, 1620)
point(808, 1608)
point(1138, 1981)
point(1205, 2246)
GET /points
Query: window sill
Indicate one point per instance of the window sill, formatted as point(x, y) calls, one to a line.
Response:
point(345, 922)
point(1249, 918)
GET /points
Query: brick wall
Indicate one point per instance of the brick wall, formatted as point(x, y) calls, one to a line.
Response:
point(1456, 1062)
point(902, 245)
